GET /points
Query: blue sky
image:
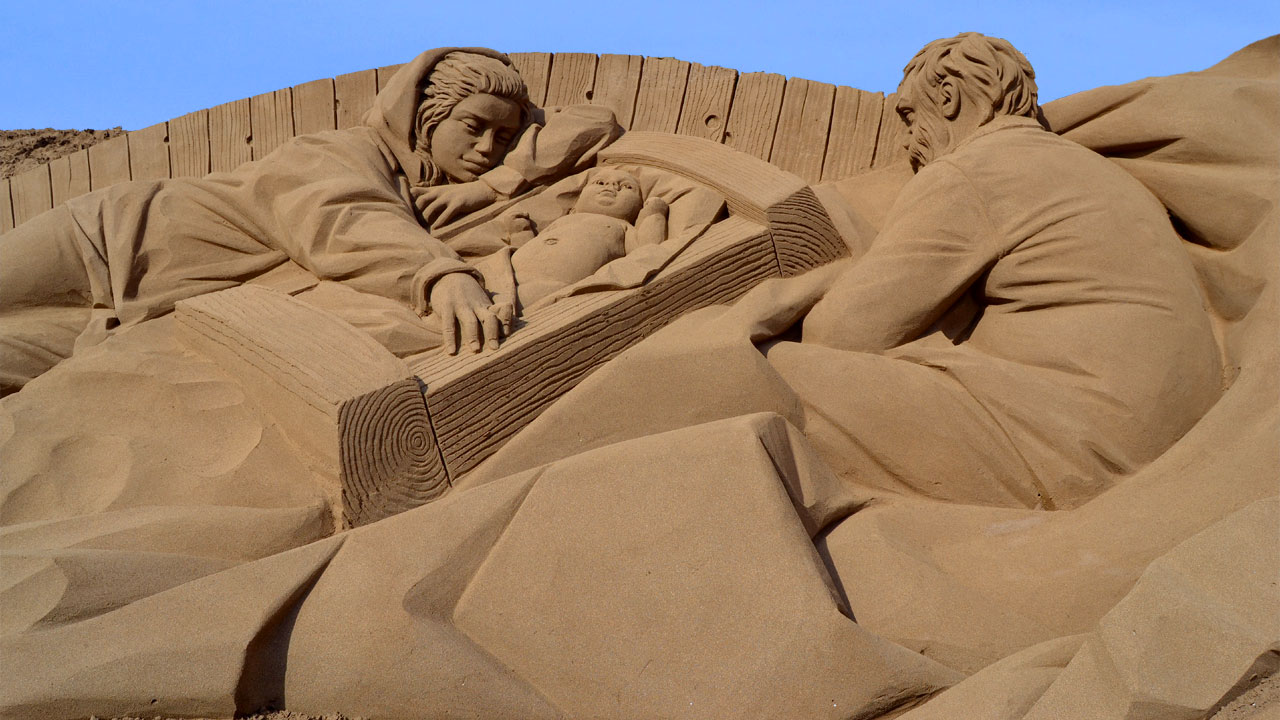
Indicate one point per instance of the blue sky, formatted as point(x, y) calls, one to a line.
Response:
point(137, 62)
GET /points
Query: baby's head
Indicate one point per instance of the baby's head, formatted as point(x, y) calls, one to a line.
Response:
point(611, 191)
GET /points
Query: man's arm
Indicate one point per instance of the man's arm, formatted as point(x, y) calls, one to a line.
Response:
point(936, 242)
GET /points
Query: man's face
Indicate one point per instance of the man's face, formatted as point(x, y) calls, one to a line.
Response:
point(611, 192)
point(928, 135)
point(475, 136)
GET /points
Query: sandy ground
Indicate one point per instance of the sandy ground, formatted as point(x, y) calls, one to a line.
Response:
point(21, 150)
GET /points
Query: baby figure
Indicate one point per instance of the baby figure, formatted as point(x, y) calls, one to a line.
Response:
point(609, 220)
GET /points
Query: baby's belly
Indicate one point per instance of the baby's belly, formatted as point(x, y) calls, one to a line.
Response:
point(567, 260)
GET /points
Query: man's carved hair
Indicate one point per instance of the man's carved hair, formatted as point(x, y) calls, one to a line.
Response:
point(456, 77)
point(991, 67)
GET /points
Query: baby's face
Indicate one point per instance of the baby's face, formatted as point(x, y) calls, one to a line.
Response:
point(611, 192)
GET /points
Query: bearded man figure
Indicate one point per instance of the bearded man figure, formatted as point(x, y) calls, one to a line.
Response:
point(1053, 329)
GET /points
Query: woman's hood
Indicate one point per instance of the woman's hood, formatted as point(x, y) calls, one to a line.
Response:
point(395, 110)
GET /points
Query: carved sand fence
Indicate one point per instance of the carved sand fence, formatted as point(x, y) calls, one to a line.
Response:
point(817, 131)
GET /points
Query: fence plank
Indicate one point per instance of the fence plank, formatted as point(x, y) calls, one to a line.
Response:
point(535, 68)
point(313, 107)
point(385, 72)
point(189, 145)
point(149, 153)
point(617, 82)
point(866, 131)
point(662, 83)
point(230, 131)
point(572, 79)
point(757, 101)
point(271, 117)
point(6, 207)
point(69, 175)
point(109, 162)
point(353, 95)
point(708, 96)
point(801, 140)
point(32, 193)
point(889, 149)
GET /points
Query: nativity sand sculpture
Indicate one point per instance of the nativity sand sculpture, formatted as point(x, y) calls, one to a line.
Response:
point(1016, 457)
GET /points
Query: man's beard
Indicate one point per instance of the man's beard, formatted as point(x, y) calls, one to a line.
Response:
point(930, 139)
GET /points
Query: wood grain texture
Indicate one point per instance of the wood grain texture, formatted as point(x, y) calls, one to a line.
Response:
point(617, 83)
point(753, 120)
point(313, 109)
point(230, 132)
point(843, 153)
point(889, 148)
point(480, 401)
point(800, 142)
point(32, 193)
point(6, 206)
point(70, 176)
point(353, 95)
point(109, 162)
point(271, 117)
point(535, 68)
point(803, 234)
point(572, 79)
point(353, 407)
point(386, 72)
point(149, 153)
point(662, 84)
point(708, 95)
point(866, 130)
point(189, 145)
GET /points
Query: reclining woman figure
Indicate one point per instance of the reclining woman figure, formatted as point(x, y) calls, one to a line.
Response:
point(452, 131)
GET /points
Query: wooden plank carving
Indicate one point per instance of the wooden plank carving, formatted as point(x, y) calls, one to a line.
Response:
point(189, 145)
point(662, 83)
point(313, 109)
point(572, 79)
point(353, 95)
point(385, 72)
point(708, 95)
point(271, 117)
point(109, 162)
point(801, 140)
point(353, 407)
point(6, 207)
point(893, 131)
point(230, 132)
point(842, 149)
point(70, 176)
point(32, 193)
point(617, 82)
point(149, 153)
point(535, 68)
point(757, 101)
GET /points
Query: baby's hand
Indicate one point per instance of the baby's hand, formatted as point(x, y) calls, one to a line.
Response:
point(518, 229)
point(655, 206)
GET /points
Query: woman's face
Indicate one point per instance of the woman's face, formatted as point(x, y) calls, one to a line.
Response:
point(475, 136)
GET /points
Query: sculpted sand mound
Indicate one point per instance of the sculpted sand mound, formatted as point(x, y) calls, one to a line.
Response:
point(21, 150)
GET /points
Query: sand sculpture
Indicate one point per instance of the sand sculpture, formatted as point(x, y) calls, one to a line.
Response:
point(1015, 458)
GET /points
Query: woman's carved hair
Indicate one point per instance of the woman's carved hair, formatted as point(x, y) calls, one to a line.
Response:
point(990, 66)
point(457, 76)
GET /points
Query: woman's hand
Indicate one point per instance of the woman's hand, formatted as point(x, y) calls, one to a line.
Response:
point(460, 303)
point(442, 204)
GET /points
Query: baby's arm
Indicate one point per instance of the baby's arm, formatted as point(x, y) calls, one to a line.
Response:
point(651, 225)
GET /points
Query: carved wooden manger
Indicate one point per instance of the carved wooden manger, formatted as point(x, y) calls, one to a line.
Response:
point(389, 434)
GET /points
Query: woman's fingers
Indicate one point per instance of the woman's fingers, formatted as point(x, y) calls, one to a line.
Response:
point(470, 325)
point(489, 323)
point(448, 328)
